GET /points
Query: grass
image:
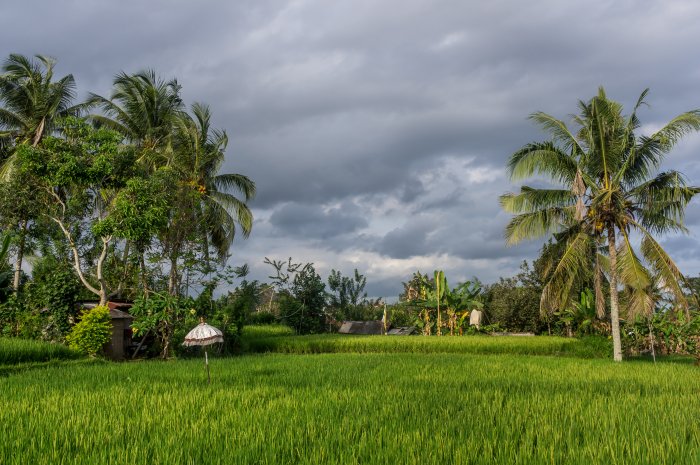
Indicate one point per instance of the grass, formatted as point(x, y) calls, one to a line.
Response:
point(354, 408)
point(280, 339)
point(359, 399)
point(18, 351)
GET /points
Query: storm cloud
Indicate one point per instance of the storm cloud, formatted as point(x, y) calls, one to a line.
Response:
point(377, 130)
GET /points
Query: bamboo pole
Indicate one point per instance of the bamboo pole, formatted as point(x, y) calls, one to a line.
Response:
point(206, 362)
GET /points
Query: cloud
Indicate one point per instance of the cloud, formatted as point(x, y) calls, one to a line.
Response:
point(377, 130)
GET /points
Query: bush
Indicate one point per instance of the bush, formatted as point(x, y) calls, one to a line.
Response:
point(262, 318)
point(92, 332)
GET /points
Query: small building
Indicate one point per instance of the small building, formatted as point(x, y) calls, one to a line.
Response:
point(402, 331)
point(117, 347)
point(361, 327)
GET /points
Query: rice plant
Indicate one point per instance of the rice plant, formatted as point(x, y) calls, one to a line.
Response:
point(279, 339)
point(14, 351)
point(354, 408)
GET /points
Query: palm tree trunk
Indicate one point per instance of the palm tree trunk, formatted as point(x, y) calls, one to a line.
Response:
point(20, 255)
point(614, 303)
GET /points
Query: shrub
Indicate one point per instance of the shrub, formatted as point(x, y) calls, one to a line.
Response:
point(262, 318)
point(92, 332)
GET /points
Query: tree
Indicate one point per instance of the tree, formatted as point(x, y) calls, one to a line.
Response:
point(33, 105)
point(5, 273)
point(347, 296)
point(610, 188)
point(301, 295)
point(89, 192)
point(144, 109)
point(207, 208)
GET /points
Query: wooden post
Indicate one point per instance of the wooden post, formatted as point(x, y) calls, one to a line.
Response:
point(206, 362)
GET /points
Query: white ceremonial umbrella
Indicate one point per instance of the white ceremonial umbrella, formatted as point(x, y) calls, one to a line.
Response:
point(204, 335)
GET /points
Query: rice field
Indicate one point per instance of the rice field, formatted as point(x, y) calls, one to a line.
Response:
point(14, 351)
point(280, 339)
point(344, 408)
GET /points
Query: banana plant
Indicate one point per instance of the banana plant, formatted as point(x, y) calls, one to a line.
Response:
point(461, 301)
point(431, 296)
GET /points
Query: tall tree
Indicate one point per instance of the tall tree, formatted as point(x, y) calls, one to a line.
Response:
point(33, 105)
point(145, 110)
point(611, 188)
point(91, 193)
point(210, 207)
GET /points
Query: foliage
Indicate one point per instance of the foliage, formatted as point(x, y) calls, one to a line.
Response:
point(433, 297)
point(513, 303)
point(161, 315)
point(5, 272)
point(238, 306)
point(347, 299)
point(92, 332)
point(261, 318)
point(663, 333)
point(46, 309)
point(609, 186)
point(301, 295)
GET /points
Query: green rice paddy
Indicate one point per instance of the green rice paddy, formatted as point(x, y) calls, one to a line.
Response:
point(369, 408)
point(14, 351)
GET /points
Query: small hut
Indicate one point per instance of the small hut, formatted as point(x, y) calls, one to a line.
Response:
point(362, 327)
point(117, 347)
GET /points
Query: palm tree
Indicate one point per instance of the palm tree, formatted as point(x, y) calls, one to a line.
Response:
point(33, 103)
point(145, 110)
point(32, 106)
point(611, 188)
point(208, 206)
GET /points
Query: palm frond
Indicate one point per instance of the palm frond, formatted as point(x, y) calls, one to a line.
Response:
point(530, 199)
point(558, 131)
point(537, 224)
point(629, 269)
point(669, 274)
point(542, 158)
point(572, 265)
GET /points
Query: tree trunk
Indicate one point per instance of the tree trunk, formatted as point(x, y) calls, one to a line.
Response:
point(20, 255)
point(76, 258)
point(100, 275)
point(614, 304)
point(172, 280)
point(144, 277)
point(125, 273)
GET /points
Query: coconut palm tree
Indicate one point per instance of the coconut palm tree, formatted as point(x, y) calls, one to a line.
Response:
point(32, 102)
point(32, 105)
point(145, 110)
point(208, 205)
point(611, 188)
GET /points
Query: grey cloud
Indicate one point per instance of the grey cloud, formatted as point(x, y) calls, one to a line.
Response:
point(312, 222)
point(338, 110)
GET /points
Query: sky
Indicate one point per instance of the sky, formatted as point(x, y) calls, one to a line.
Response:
point(377, 131)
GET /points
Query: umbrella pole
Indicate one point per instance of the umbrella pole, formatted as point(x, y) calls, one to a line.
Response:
point(206, 362)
